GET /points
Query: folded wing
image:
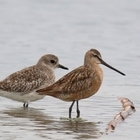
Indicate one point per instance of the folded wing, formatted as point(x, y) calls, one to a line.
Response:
point(75, 81)
point(22, 81)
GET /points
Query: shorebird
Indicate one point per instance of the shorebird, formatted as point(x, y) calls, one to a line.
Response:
point(21, 85)
point(80, 83)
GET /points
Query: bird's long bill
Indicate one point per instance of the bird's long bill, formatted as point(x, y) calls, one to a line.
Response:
point(63, 67)
point(104, 63)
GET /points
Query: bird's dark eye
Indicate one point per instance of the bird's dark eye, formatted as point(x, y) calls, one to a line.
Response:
point(95, 55)
point(52, 61)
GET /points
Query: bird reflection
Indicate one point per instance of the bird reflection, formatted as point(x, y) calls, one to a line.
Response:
point(45, 126)
point(33, 114)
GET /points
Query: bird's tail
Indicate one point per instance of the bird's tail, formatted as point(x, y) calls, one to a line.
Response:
point(45, 91)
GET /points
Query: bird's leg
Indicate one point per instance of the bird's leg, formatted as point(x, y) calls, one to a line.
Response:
point(78, 111)
point(25, 105)
point(70, 109)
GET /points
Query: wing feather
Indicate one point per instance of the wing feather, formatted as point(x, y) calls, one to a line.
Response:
point(24, 81)
point(75, 81)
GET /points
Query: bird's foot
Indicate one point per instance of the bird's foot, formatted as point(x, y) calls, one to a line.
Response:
point(72, 119)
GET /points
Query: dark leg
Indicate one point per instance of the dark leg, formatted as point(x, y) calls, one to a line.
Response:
point(70, 109)
point(25, 105)
point(78, 111)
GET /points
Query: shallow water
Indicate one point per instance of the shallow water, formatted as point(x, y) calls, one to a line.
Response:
point(31, 28)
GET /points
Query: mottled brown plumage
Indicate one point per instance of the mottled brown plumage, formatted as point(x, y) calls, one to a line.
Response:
point(80, 83)
point(21, 85)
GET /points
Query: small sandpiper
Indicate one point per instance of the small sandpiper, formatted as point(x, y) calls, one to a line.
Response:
point(22, 85)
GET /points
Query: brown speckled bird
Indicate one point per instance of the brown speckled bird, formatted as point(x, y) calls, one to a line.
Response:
point(80, 83)
point(21, 85)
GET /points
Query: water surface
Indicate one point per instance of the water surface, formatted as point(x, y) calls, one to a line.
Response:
point(31, 28)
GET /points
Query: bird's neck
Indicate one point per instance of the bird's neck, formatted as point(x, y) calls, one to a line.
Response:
point(95, 68)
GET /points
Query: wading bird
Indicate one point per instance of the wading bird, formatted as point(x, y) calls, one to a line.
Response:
point(21, 85)
point(80, 83)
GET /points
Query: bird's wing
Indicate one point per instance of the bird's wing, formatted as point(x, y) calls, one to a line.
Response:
point(22, 81)
point(77, 80)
